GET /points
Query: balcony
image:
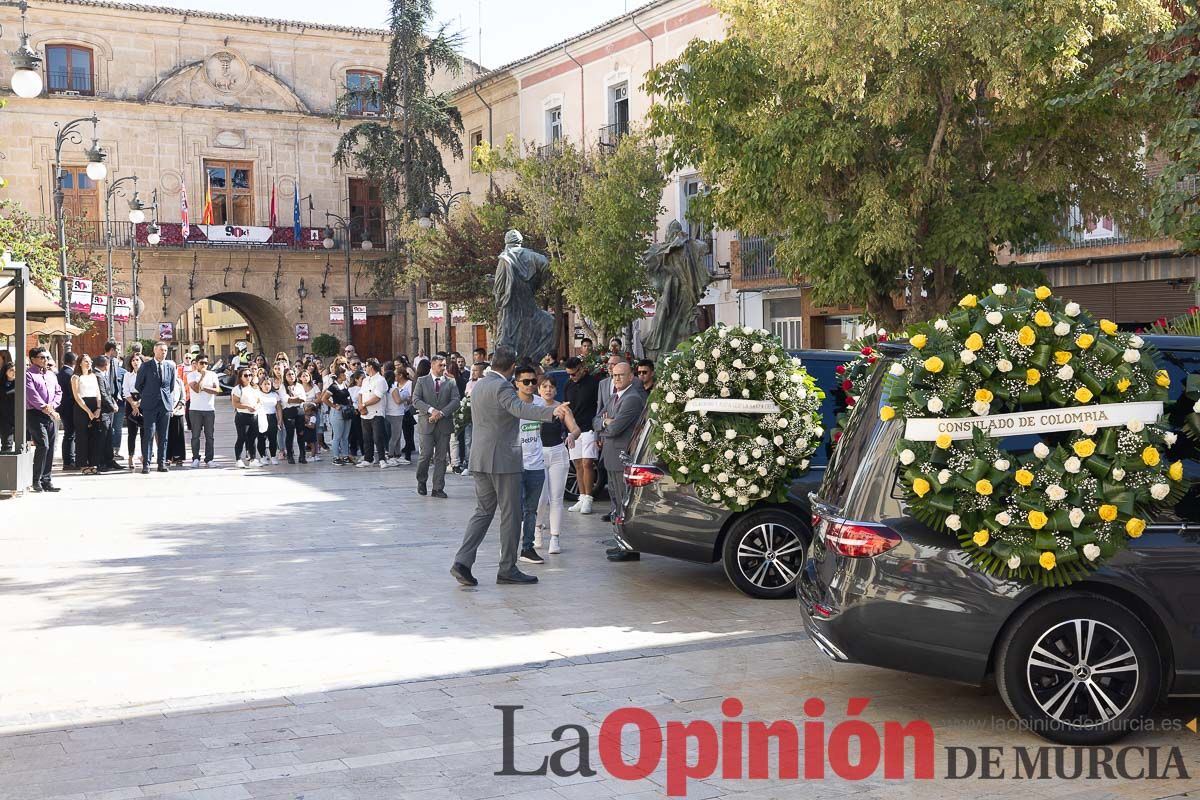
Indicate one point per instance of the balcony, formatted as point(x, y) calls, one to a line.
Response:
point(86, 233)
point(70, 83)
point(547, 150)
point(757, 254)
point(610, 135)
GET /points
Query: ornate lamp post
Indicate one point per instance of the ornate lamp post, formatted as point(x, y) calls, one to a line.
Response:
point(137, 214)
point(166, 294)
point(302, 292)
point(26, 63)
point(96, 170)
point(442, 205)
point(346, 226)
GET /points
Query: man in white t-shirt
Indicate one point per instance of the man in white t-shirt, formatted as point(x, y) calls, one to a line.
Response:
point(533, 463)
point(202, 411)
point(370, 408)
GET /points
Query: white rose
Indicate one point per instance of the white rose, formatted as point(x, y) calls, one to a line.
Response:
point(818, 432)
point(1196, 407)
point(770, 375)
point(1131, 356)
point(750, 331)
point(735, 343)
point(994, 317)
point(701, 365)
point(724, 391)
point(1136, 341)
point(935, 404)
point(654, 406)
point(1065, 372)
point(1091, 551)
point(670, 398)
point(1072, 309)
point(681, 446)
point(674, 376)
point(750, 375)
point(754, 489)
point(797, 378)
point(1001, 464)
point(737, 364)
point(706, 468)
point(1088, 428)
point(668, 427)
point(778, 440)
point(730, 433)
point(1118, 474)
point(756, 453)
point(1159, 491)
point(761, 441)
point(896, 369)
point(756, 348)
point(729, 454)
point(941, 325)
point(1170, 438)
point(722, 477)
point(1072, 465)
point(1062, 329)
point(743, 500)
point(722, 332)
point(706, 437)
point(780, 461)
point(716, 352)
point(716, 496)
point(743, 460)
point(1076, 516)
point(683, 470)
point(762, 471)
point(967, 357)
point(731, 492)
point(1135, 425)
point(981, 408)
point(691, 393)
point(1004, 365)
point(692, 429)
point(1040, 450)
point(783, 422)
point(658, 445)
point(1056, 492)
point(702, 378)
point(953, 522)
point(907, 457)
point(742, 483)
point(773, 360)
point(944, 476)
point(1003, 518)
point(1000, 289)
point(746, 393)
point(1014, 562)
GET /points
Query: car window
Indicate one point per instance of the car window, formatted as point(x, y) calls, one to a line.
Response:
point(1179, 364)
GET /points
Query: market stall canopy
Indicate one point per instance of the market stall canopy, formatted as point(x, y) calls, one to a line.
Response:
point(38, 305)
point(33, 327)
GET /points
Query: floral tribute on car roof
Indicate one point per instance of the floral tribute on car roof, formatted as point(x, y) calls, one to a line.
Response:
point(852, 376)
point(738, 418)
point(1021, 361)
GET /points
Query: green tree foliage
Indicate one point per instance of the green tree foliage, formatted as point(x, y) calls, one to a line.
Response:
point(894, 148)
point(21, 236)
point(401, 149)
point(325, 345)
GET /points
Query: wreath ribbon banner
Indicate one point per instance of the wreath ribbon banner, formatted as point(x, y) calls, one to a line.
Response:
point(1108, 415)
point(731, 406)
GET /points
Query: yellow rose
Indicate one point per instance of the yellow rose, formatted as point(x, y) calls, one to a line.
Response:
point(886, 413)
point(1134, 527)
point(1032, 376)
point(1026, 336)
point(1084, 340)
point(1108, 326)
point(983, 487)
point(974, 342)
point(1047, 560)
point(1084, 394)
point(1037, 520)
point(934, 364)
point(1176, 471)
point(1084, 448)
point(981, 537)
point(1123, 385)
point(1162, 378)
point(969, 301)
point(1061, 357)
point(983, 395)
point(1150, 456)
point(1041, 292)
point(1043, 319)
point(919, 341)
point(944, 441)
point(921, 487)
point(1108, 512)
point(1024, 477)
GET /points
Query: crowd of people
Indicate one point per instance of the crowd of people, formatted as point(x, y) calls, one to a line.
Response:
point(358, 412)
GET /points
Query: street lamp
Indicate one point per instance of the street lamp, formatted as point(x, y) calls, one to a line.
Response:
point(345, 225)
point(136, 214)
point(95, 170)
point(166, 293)
point(442, 205)
point(302, 293)
point(26, 63)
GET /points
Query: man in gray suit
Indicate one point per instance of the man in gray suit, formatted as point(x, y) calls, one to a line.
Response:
point(496, 465)
point(614, 425)
point(436, 399)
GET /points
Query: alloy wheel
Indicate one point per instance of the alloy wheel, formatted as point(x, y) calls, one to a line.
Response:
point(1083, 673)
point(770, 555)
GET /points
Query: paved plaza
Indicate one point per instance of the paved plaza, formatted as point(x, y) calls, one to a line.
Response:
point(293, 632)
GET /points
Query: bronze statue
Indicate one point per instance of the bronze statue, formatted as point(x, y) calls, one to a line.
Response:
point(679, 276)
point(520, 322)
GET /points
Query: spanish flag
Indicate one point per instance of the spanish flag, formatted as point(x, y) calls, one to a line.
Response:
point(207, 217)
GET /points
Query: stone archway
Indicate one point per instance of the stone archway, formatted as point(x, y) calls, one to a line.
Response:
point(272, 331)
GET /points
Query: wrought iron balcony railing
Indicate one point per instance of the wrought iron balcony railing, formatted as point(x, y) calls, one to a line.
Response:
point(757, 254)
point(610, 135)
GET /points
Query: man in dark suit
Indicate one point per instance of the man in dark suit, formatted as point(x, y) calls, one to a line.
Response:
point(66, 411)
point(108, 402)
point(155, 384)
point(497, 466)
point(116, 378)
point(435, 398)
point(615, 423)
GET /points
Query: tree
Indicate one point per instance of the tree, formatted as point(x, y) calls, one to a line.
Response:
point(19, 235)
point(893, 149)
point(401, 149)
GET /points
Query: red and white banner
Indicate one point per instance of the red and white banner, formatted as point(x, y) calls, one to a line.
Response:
point(360, 315)
point(302, 333)
point(166, 331)
point(337, 315)
point(237, 234)
point(122, 309)
point(99, 308)
point(459, 315)
point(435, 310)
point(81, 295)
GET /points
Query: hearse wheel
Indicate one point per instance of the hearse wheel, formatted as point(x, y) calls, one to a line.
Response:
point(764, 551)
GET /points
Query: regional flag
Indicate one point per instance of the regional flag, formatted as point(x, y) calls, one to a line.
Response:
point(296, 212)
point(274, 221)
point(207, 217)
point(183, 209)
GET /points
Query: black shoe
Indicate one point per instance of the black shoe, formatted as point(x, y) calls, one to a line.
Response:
point(117, 457)
point(625, 555)
point(516, 576)
point(462, 574)
point(421, 490)
point(37, 487)
point(48, 488)
point(606, 518)
point(145, 470)
point(530, 556)
point(441, 494)
point(303, 460)
point(291, 459)
point(109, 468)
point(163, 468)
point(456, 470)
point(612, 551)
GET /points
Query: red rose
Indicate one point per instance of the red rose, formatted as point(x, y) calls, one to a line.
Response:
point(850, 401)
point(841, 369)
point(1140, 330)
point(837, 435)
point(883, 337)
point(846, 385)
point(1161, 322)
point(871, 360)
point(1193, 309)
point(866, 351)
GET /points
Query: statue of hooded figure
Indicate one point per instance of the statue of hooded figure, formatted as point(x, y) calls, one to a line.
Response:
point(520, 322)
point(679, 276)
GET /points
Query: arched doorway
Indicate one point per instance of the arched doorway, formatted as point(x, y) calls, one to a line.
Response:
point(217, 322)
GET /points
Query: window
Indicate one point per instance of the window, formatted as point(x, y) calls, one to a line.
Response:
point(476, 141)
point(81, 198)
point(690, 188)
point(554, 126)
point(69, 69)
point(364, 104)
point(619, 110)
point(366, 212)
point(232, 184)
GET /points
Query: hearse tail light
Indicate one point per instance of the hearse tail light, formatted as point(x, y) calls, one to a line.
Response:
point(637, 475)
point(855, 540)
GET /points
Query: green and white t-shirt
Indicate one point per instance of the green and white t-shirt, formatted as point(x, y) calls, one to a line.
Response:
point(530, 436)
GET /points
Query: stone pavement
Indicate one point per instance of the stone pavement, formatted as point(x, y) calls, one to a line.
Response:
point(293, 632)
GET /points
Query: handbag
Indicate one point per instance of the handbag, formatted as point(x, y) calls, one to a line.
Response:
point(348, 413)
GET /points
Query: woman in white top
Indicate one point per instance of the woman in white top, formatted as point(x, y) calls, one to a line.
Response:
point(133, 410)
point(270, 421)
point(399, 401)
point(312, 394)
point(245, 421)
point(85, 388)
point(292, 398)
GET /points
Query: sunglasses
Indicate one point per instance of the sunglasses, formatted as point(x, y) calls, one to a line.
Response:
point(644, 372)
point(527, 381)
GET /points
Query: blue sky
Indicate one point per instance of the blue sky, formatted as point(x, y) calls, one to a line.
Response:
point(511, 28)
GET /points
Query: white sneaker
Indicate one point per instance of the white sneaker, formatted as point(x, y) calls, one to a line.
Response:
point(207, 464)
point(314, 458)
point(578, 504)
point(537, 537)
point(406, 462)
point(384, 464)
point(466, 473)
point(256, 463)
point(274, 460)
point(242, 464)
point(555, 549)
point(195, 463)
point(585, 504)
point(363, 463)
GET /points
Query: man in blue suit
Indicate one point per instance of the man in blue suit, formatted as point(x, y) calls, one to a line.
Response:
point(155, 383)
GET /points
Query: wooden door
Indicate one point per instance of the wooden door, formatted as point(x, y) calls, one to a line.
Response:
point(374, 340)
point(481, 337)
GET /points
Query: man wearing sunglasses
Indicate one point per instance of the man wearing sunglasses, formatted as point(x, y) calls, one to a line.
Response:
point(529, 435)
point(202, 412)
point(645, 374)
point(42, 397)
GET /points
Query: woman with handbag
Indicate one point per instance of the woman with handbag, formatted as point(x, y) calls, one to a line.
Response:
point(337, 399)
point(291, 397)
point(85, 389)
point(400, 416)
